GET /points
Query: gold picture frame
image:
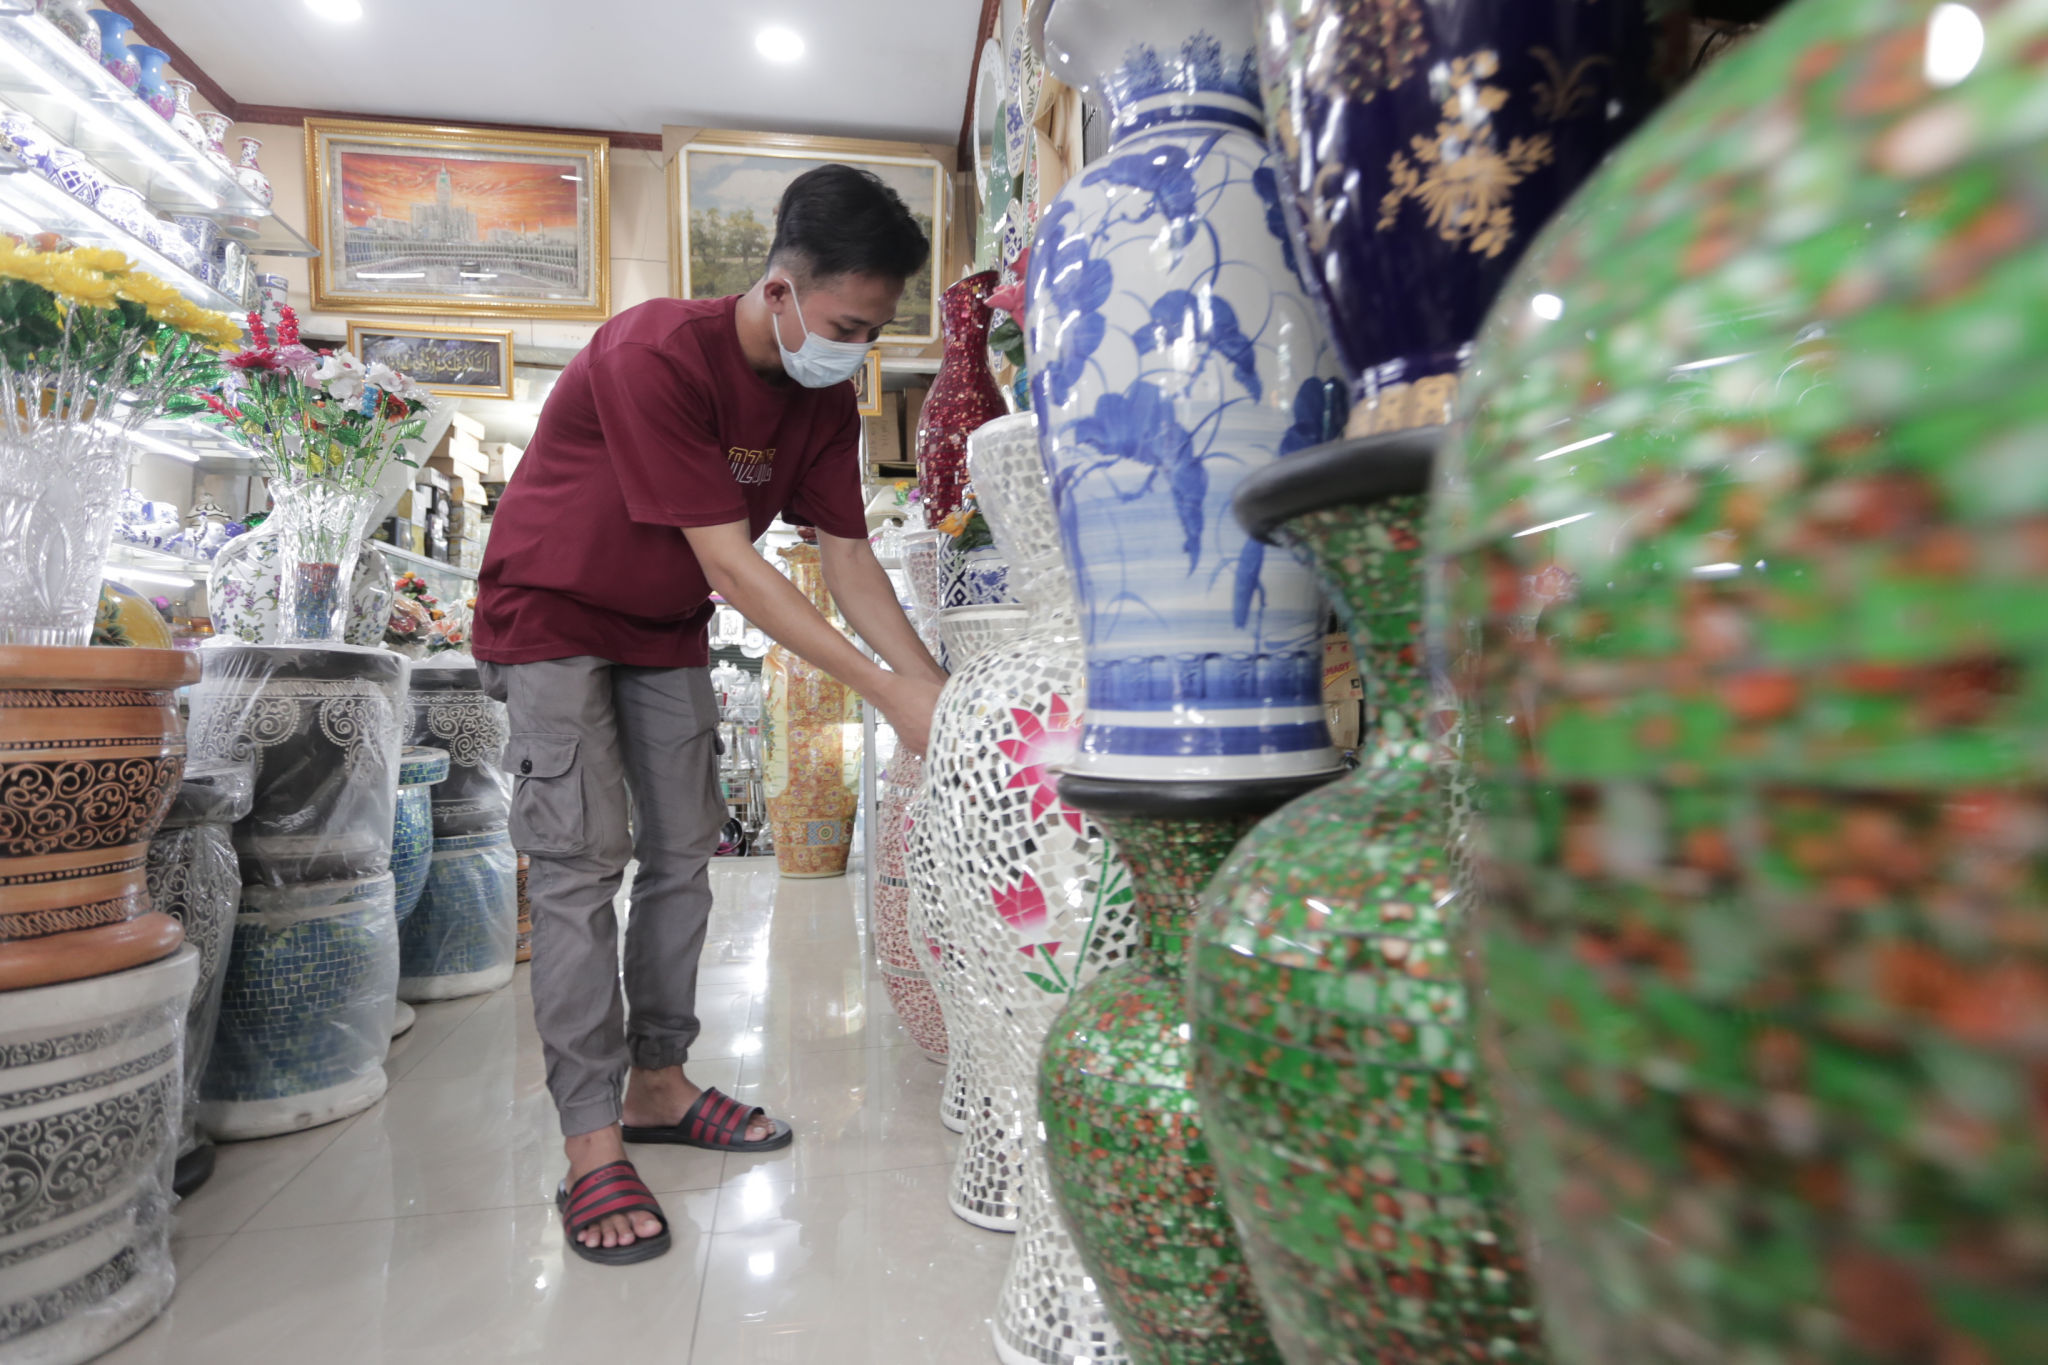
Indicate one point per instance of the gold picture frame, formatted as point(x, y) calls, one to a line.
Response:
point(867, 384)
point(398, 234)
point(444, 368)
point(739, 177)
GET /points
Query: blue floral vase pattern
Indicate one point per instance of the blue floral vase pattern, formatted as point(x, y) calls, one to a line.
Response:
point(412, 830)
point(463, 937)
point(114, 53)
point(1173, 353)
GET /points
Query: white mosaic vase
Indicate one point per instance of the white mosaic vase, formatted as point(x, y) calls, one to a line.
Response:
point(1037, 898)
point(965, 632)
point(896, 957)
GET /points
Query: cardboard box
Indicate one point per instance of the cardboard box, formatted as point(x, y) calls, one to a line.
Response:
point(465, 519)
point(885, 433)
point(434, 478)
point(1343, 692)
point(504, 458)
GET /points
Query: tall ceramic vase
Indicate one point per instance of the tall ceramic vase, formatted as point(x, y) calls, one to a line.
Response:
point(1422, 145)
point(810, 745)
point(1335, 1055)
point(967, 633)
point(1173, 353)
point(1041, 901)
point(903, 975)
point(250, 173)
point(115, 54)
point(322, 526)
point(91, 755)
point(1125, 1142)
point(1745, 588)
point(74, 22)
point(151, 86)
point(962, 397)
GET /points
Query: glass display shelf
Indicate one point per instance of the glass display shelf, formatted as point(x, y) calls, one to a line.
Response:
point(141, 567)
point(30, 204)
point(426, 564)
point(48, 77)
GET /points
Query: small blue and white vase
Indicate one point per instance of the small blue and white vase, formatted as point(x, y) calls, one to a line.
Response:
point(973, 578)
point(1172, 354)
point(151, 86)
point(412, 828)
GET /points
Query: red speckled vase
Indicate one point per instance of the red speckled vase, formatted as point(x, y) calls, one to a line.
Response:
point(963, 396)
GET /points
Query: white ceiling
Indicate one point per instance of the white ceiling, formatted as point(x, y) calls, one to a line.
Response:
point(873, 68)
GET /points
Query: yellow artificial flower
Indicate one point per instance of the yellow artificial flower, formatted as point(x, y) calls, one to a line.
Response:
point(101, 258)
point(149, 291)
point(75, 285)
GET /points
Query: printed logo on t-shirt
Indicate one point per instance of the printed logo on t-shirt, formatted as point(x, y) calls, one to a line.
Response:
point(751, 466)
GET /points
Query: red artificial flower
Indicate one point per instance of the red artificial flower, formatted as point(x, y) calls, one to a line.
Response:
point(1040, 747)
point(256, 330)
point(213, 401)
point(256, 358)
point(1010, 298)
point(287, 327)
point(1022, 906)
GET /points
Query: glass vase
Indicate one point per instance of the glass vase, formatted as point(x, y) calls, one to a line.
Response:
point(322, 525)
point(59, 489)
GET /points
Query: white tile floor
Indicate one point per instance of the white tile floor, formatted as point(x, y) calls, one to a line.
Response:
point(423, 1230)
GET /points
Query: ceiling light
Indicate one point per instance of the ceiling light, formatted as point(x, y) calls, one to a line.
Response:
point(337, 11)
point(779, 44)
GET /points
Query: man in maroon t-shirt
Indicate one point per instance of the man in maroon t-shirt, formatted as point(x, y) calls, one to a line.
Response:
point(667, 447)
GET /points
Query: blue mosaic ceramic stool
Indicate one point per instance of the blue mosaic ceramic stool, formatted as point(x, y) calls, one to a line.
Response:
point(412, 840)
point(194, 878)
point(305, 1014)
point(463, 938)
point(412, 830)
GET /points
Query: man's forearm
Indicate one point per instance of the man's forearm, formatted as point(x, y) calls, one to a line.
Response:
point(867, 599)
point(773, 603)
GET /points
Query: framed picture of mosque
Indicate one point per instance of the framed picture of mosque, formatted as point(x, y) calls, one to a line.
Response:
point(412, 218)
point(724, 189)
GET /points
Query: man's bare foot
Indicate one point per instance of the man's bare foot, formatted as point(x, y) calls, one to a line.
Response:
point(659, 1099)
point(587, 1152)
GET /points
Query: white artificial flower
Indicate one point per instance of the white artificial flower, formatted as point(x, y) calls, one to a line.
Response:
point(382, 376)
point(341, 374)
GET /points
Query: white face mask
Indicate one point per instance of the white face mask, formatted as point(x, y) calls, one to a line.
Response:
point(820, 363)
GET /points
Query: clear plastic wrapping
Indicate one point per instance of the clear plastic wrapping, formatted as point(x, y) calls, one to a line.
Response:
point(449, 710)
point(306, 1008)
point(463, 937)
point(195, 878)
point(320, 725)
point(91, 1085)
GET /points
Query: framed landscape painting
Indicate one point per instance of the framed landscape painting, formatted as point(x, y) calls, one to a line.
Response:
point(726, 187)
point(461, 362)
point(411, 218)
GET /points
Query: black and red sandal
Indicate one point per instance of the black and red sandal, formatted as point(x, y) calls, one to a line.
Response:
point(608, 1190)
point(717, 1122)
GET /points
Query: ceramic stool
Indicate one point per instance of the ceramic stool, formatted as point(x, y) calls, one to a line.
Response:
point(412, 842)
point(89, 1108)
point(463, 939)
point(305, 1014)
point(195, 878)
point(448, 710)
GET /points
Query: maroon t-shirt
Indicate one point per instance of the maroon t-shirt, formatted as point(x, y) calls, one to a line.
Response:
point(659, 423)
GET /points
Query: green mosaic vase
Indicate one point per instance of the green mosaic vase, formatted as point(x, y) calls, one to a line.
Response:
point(1124, 1141)
point(1334, 1051)
point(1746, 573)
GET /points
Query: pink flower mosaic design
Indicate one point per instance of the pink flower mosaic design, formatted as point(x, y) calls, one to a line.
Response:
point(1041, 748)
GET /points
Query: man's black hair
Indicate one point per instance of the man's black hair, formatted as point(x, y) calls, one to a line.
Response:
point(838, 220)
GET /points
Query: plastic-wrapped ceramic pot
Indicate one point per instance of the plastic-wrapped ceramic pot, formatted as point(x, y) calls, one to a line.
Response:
point(420, 770)
point(810, 744)
point(1124, 1136)
point(963, 396)
point(196, 879)
point(1334, 1050)
point(1040, 900)
point(1743, 543)
point(91, 752)
point(320, 726)
point(1172, 353)
point(1422, 145)
point(88, 1138)
point(450, 711)
point(463, 939)
point(305, 1014)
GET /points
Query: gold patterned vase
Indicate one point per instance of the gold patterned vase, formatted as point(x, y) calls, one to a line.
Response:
point(810, 745)
point(91, 754)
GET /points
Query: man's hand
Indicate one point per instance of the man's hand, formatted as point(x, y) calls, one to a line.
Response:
point(908, 704)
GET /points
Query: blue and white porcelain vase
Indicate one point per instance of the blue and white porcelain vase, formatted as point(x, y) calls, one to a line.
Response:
point(1173, 353)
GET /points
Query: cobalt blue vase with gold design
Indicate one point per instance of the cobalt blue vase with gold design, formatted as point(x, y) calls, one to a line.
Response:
point(1422, 144)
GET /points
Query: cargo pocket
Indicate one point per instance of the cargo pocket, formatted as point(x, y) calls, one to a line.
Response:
point(547, 804)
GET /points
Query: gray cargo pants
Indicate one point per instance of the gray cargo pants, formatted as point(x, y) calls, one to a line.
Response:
point(585, 733)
